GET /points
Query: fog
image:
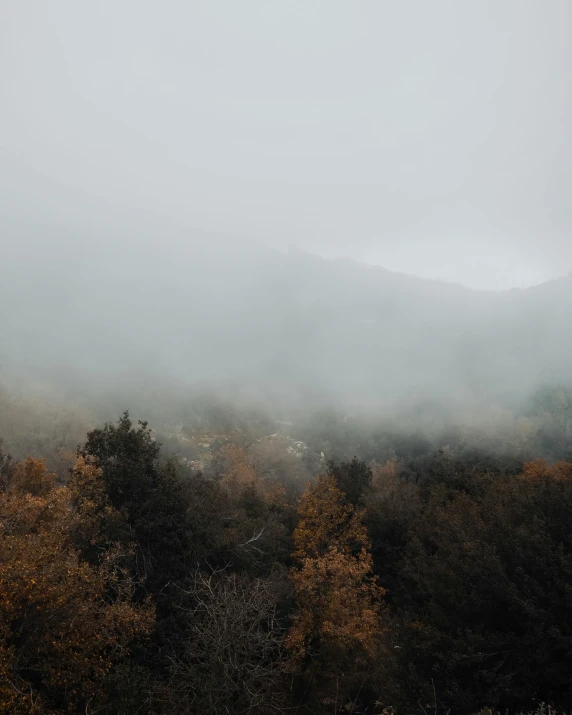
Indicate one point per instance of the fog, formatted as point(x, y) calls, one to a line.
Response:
point(307, 203)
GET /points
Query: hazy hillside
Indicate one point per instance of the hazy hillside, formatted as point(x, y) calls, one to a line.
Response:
point(98, 305)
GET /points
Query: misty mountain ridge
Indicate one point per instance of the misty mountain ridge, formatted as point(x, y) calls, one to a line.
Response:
point(245, 314)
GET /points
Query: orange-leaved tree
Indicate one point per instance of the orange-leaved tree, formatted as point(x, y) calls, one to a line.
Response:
point(64, 624)
point(338, 627)
point(540, 469)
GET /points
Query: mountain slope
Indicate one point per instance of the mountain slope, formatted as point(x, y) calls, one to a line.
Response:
point(120, 299)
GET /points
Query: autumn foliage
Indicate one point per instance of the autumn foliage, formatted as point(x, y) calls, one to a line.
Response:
point(64, 624)
point(424, 583)
point(540, 469)
point(339, 623)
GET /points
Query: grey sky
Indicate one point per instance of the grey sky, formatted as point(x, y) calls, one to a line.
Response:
point(429, 137)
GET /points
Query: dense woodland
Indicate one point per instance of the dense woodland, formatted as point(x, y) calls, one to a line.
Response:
point(234, 561)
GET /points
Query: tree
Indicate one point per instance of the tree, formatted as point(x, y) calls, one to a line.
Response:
point(353, 478)
point(98, 525)
point(65, 625)
point(338, 625)
point(6, 468)
point(252, 509)
point(484, 587)
point(150, 497)
point(231, 659)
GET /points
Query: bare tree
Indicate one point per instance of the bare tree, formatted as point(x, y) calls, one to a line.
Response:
point(231, 659)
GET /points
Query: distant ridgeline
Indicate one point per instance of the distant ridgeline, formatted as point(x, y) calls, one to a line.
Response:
point(290, 323)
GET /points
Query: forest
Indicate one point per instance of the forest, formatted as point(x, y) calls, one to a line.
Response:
point(285, 357)
point(224, 559)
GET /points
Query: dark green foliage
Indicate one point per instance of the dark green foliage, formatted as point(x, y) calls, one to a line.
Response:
point(479, 568)
point(129, 459)
point(6, 468)
point(473, 546)
point(170, 519)
point(150, 495)
point(353, 478)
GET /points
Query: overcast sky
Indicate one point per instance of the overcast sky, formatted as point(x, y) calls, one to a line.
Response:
point(429, 136)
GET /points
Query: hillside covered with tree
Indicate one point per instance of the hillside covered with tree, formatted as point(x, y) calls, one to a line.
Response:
point(252, 564)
